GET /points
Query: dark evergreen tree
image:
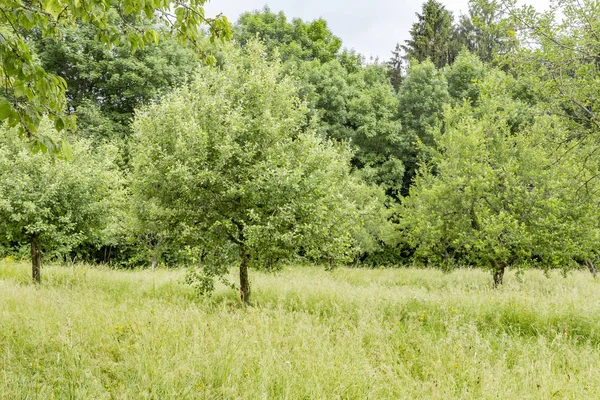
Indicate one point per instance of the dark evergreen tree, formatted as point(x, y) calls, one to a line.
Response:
point(432, 36)
point(395, 67)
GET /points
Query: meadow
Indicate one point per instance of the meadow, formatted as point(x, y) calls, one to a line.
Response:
point(96, 333)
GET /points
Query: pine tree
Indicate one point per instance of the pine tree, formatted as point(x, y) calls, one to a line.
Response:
point(432, 36)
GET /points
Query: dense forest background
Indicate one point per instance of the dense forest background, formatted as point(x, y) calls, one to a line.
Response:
point(475, 144)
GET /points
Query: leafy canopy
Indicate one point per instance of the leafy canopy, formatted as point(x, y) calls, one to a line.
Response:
point(106, 84)
point(494, 194)
point(487, 30)
point(295, 40)
point(232, 164)
point(58, 203)
point(353, 103)
point(422, 97)
point(30, 92)
point(560, 49)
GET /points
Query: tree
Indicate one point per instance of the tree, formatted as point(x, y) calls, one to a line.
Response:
point(295, 41)
point(106, 84)
point(353, 102)
point(326, 89)
point(431, 37)
point(241, 171)
point(361, 108)
point(486, 30)
point(376, 133)
point(559, 48)
point(558, 58)
point(396, 67)
point(464, 78)
point(422, 98)
point(30, 92)
point(492, 195)
point(54, 205)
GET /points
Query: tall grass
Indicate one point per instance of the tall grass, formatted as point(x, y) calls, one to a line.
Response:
point(93, 333)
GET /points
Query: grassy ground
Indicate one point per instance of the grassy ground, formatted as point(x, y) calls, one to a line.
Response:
point(89, 333)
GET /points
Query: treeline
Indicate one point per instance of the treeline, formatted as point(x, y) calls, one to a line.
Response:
point(475, 144)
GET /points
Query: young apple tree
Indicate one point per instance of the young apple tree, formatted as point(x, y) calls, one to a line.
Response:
point(54, 204)
point(231, 164)
point(495, 192)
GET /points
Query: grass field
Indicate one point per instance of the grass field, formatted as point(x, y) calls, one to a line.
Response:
point(93, 333)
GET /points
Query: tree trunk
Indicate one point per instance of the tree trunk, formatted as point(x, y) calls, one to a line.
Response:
point(36, 259)
point(244, 282)
point(107, 250)
point(592, 268)
point(446, 256)
point(498, 274)
point(154, 263)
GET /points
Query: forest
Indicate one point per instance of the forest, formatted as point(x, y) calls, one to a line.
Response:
point(290, 219)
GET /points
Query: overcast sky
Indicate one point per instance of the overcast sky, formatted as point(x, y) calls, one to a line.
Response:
point(371, 27)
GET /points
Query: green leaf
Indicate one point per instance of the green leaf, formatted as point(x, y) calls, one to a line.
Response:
point(5, 110)
point(59, 124)
point(180, 13)
point(66, 150)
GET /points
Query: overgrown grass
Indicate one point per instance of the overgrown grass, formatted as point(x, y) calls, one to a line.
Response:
point(93, 333)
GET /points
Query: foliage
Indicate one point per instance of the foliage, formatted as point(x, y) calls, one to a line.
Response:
point(106, 84)
point(376, 133)
point(295, 41)
point(493, 195)
point(30, 92)
point(487, 30)
point(241, 170)
point(395, 67)
point(327, 90)
point(360, 108)
point(265, 162)
point(422, 97)
point(353, 103)
point(465, 77)
point(560, 49)
point(55, 203)
point(431, 37)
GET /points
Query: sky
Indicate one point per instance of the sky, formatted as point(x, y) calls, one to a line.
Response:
point(371, 27)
